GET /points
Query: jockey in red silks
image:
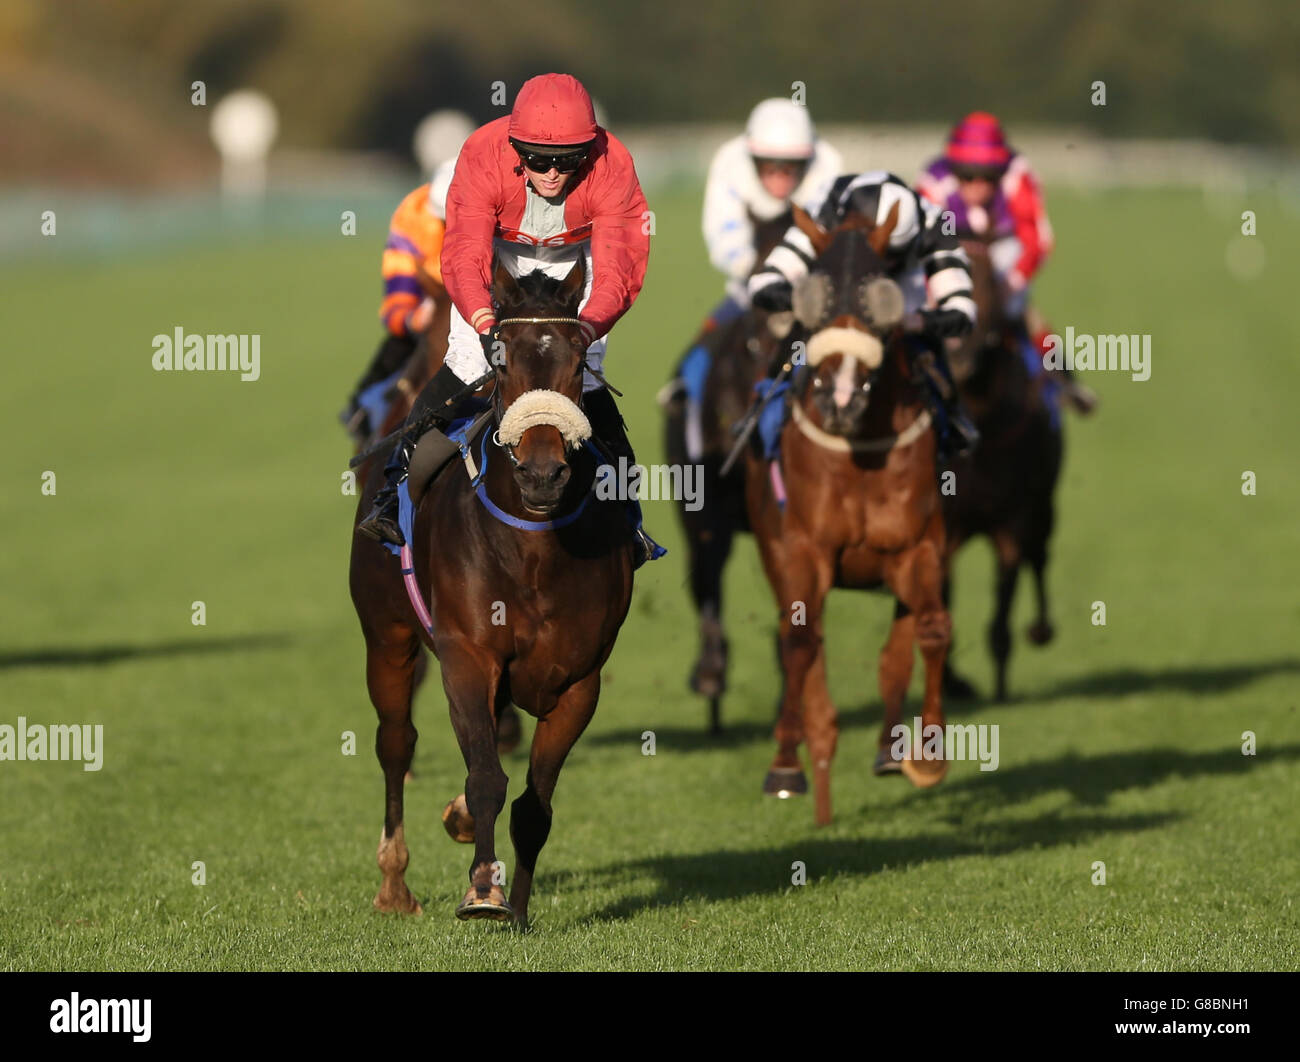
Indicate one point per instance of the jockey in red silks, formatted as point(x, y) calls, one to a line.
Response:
point(990, 190)
point(538, 189)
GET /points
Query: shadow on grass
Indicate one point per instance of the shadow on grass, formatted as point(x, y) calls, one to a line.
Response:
point(95, 655)
point(1091, 779)
point(731, 875)
point(1118, 682)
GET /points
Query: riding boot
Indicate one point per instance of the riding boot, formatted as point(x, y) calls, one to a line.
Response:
point(962, 435)
point(429, 411)
point(611, 436)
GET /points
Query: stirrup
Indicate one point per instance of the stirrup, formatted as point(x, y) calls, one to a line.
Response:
point(381, 523)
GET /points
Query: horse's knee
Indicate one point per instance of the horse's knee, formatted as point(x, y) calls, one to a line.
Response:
point(934, 631)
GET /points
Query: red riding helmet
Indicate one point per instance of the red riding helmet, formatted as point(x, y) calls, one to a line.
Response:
point(978, 141)
point(553, 110)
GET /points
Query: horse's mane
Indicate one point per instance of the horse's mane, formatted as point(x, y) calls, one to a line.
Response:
point(536, 291)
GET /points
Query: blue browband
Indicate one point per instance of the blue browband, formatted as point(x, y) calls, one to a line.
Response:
point(480, 489)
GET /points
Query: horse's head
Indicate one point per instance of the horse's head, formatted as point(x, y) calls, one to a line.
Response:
point(853, 314)
point(538, 364)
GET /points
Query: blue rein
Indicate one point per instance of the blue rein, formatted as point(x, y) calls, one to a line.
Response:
point(480, 489)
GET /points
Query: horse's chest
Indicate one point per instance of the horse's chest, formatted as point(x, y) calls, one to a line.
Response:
point(864, 528)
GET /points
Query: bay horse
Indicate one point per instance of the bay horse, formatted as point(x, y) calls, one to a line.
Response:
point(528, 581)
point(1005, 488)
point(741, 353)
point(425, 360)
point(862, 506)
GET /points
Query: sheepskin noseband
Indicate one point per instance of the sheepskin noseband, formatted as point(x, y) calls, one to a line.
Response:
point(544, 407)
point(861, 345)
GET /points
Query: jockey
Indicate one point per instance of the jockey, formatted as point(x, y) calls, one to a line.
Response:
point(414, 238)
point(753, 177)
point(538, 189)
point(928, 264)
point(990, 190)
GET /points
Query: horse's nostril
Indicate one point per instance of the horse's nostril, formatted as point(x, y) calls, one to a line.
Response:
point(560, 476)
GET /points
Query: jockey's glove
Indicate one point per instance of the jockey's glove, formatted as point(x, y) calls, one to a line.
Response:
point(776, 297)
point(491, 351)
point(945, 323)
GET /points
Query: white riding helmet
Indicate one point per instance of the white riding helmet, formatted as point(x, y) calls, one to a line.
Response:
point(780, 129)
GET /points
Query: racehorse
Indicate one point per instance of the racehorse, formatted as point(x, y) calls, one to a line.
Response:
point(1005, 488)
point(528, 581)
point(742, 352)
point(861, 508)
point(425, 360)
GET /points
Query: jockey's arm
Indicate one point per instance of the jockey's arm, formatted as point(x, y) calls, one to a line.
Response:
point(728, 231)
point(947, 275)
point(467, 246)
point(1029, 214)
point(620, 243)
point(414, 238)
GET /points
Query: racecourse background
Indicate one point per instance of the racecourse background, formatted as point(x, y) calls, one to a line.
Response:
point(222, 743)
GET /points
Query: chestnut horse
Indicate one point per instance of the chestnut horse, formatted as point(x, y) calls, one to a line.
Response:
point(742, 352)
point(1005, 488)
point(862, 505)
point(528, 581)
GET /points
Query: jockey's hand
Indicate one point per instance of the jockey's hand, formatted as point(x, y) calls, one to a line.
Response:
point(913, 322)
point(776, 297)
point(419, 319)
point(493, 354)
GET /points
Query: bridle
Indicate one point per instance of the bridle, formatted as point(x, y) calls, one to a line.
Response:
point(498, 409)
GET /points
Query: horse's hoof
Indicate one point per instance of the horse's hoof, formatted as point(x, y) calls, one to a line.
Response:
point(886, 765)
point(924, 773)
point(784, 782)
point(457, 821)
point(958, 688)
point(708, 682)
point(510, 732)
point(397, 903)
point(1041, 633)
point(485, 901)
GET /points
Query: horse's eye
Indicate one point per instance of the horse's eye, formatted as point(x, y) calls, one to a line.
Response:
point(818, 382)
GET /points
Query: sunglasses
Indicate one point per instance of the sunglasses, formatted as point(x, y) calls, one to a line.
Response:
point(545, 163)
point(977, 173)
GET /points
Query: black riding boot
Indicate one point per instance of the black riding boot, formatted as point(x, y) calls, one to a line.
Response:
point(962, 433)
point(611, 433)
point(429, 411)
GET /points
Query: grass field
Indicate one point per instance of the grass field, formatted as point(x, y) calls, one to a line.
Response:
point(1123, 743)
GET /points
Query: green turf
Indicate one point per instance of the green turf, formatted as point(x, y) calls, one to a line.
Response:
point(222, 742)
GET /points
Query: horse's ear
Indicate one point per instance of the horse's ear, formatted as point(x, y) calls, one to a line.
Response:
point(505, 289)
point(817, 236)
point(571, 287)
point(879, 238)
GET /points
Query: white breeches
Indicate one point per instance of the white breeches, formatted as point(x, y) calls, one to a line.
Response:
point(464, 348)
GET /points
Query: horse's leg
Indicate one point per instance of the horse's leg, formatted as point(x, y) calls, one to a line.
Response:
point(894, 676)
point(510, 729)
point(471, 680)
point(807, 579)
point(954, 685)
point(1007, 549)
point(391, 661)
point(1041, 630)
point(530, 814)
point(709, 535)
point(822, 731)
point(916, 578)
point(421, 670)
